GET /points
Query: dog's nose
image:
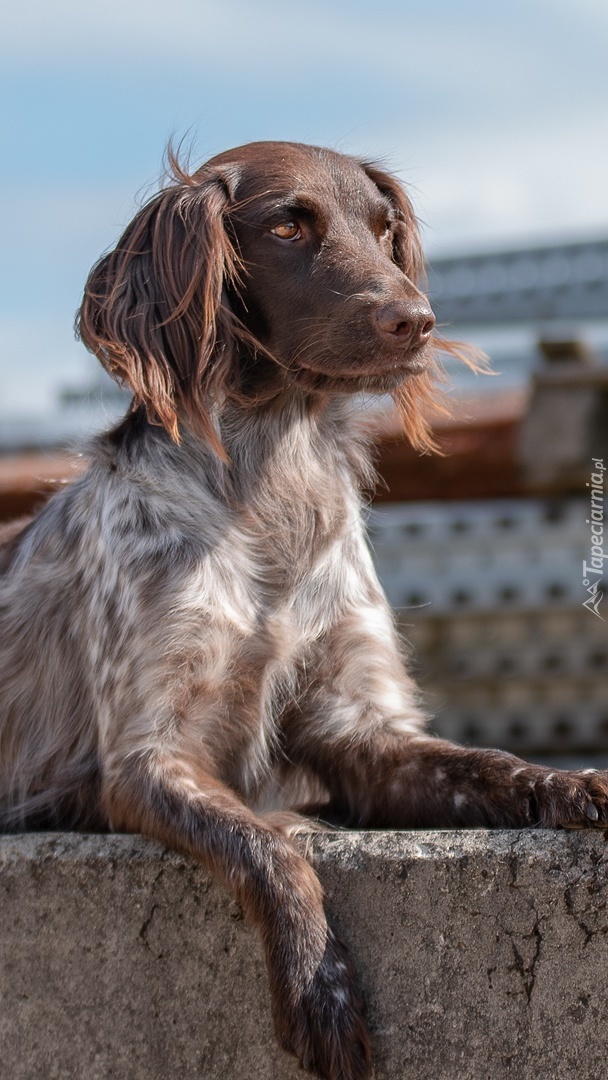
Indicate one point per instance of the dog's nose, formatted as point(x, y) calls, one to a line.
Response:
point(410, 324)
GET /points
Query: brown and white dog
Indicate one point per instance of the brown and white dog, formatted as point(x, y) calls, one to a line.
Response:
point(195, 627)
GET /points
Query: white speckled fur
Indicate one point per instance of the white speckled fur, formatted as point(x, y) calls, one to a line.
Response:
point(139, 595)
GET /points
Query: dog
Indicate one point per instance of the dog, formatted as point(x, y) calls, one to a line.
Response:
point(193, 638)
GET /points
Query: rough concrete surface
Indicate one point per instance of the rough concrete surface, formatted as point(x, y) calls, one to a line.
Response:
point(481, 954)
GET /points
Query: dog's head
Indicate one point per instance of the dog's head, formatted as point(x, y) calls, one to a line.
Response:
point(273, 265)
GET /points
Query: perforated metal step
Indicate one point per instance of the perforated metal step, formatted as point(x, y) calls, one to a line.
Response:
point(490, 596)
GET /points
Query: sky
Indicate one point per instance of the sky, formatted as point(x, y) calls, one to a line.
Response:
point(494, 115)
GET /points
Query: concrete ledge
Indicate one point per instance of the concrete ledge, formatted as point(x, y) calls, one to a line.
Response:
point(481, 954)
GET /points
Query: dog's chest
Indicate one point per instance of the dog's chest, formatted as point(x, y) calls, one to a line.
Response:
point(248, 623)
point(252, 608)
point(260, 590)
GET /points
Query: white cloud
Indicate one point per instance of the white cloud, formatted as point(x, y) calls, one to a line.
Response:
point(223, 31)
point(508, 185)
point(438, 45)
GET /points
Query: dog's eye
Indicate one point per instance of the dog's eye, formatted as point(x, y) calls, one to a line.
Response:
point(287, 230)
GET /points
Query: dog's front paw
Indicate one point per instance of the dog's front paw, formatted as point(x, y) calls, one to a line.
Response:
point(324, 1025)
point(571, 800)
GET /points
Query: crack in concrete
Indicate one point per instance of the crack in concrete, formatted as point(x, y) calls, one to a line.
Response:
point(537, 935)
point(526, 969)
point(513, 861)
point(588, 931)
point(143, 933)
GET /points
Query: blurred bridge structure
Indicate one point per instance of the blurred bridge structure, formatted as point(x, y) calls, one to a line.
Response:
point(536, 284)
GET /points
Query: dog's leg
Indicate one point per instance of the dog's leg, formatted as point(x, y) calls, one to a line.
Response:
point(317, 1009)
point(395, 781)
point(360, 731)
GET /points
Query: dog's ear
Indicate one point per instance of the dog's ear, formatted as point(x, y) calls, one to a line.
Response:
point(155, 312)
point(407, 246)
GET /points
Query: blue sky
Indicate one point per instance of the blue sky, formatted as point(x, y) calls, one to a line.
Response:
point(495, 115)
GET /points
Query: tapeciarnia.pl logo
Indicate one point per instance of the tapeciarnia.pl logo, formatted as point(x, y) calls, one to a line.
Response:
point(593, 570)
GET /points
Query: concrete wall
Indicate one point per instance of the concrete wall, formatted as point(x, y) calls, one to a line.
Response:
point(481, 954)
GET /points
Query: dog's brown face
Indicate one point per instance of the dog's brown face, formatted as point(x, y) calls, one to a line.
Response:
point(323, 246)
point(273, 265)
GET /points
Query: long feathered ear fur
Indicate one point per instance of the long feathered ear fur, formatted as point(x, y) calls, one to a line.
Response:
point(155, 311)
point(420, 395)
